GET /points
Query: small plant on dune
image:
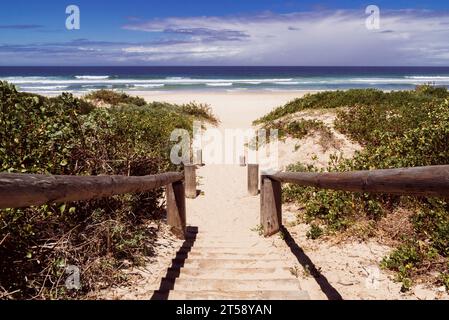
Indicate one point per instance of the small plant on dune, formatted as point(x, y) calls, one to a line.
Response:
point(281, 234)
point(200, 111)
point(315, 232)
point(294, 271)
point(404, 260)
point(258, 229)
point(445, 280)
point(114, 98)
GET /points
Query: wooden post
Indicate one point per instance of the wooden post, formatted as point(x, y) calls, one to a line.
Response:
point(199, 157)
point(176, 208)
point(270, 206)
point(242, 161)
point(253, 179)
point(190, 181)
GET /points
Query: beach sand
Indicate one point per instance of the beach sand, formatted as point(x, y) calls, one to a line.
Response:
point(235, 109)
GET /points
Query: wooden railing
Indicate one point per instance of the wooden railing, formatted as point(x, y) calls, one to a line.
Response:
point(432, 181)
point(24, 190)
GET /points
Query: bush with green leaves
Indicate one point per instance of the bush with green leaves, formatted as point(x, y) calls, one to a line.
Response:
point(397, 129)
point(67, 135)
point(114, 98)
point(354, 97)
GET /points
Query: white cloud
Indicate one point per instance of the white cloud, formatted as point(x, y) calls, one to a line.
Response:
point(194, 52)
point(406, 37)
point(313, 38)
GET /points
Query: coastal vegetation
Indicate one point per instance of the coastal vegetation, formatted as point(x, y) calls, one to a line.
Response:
point(396, 129)
point(71, 136)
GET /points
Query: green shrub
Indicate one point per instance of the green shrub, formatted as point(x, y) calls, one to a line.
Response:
point(66, 135)
point(397, 129)
point(432, 90)
point(445, 280)
point(199, 111)
point(322, 100)
point(315, 232)
point(301, 128)
point(114, 98)
point(405, 260)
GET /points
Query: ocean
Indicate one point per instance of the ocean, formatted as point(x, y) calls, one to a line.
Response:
point(54, 80)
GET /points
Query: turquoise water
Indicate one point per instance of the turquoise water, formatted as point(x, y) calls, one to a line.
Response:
point(85, 79)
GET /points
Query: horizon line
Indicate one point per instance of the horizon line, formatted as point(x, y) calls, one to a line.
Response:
point(221, 66)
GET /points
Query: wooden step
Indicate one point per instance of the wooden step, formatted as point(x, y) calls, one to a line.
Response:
point(195, 254)
point(224, 263)
point(230, 274)
point(220, 237)
point(231, 295)
point(227, 242)
point(224, 249)
point(199, 284)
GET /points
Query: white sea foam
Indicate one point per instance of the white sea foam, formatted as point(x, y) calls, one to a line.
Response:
point(446, 78)
point(405, 80)
point(286, 83)
point(283, 90)
point(219, 84)
point(43, 87)
point(42, 83)
point(92, 77)
point(149, 85)
point(237, 90)
point(43, 80)
point(177, 78)
point(48, 92)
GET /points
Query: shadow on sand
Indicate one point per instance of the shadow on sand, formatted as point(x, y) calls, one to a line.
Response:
point(168, 282)
point(330, 292)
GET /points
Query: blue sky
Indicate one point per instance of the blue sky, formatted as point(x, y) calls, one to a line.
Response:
point(226, 32)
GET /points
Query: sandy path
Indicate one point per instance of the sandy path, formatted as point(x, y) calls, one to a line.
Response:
point(223, 209)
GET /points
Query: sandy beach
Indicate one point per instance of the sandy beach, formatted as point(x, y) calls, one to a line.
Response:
point(234, 109)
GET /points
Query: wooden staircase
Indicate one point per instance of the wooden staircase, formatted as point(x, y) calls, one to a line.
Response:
point(212, 268)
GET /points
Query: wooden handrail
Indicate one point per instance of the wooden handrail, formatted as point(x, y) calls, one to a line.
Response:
point(431, 181)
point(420, 181)
point(24, 190)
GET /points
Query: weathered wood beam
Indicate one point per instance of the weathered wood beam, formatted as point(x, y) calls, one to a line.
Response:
point(432, 181)
point(270, 206)
point(199, 158)
point(190, 181)
point(176, 208)
point(253, 179)
point(242, 161)
point(24, 190)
